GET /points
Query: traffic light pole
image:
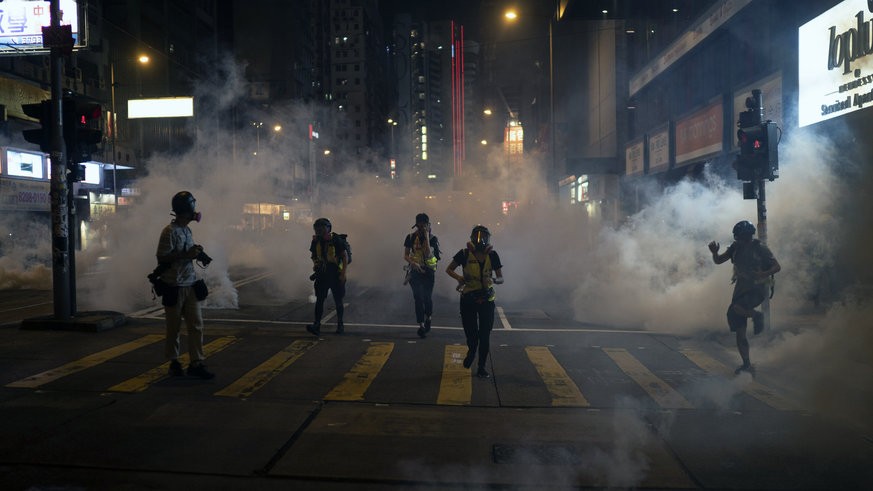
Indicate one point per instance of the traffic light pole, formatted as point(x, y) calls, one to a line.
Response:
point(59, 189)
point(762, 236)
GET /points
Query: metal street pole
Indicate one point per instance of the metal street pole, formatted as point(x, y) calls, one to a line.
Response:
point(762, 236)
point(59, 193)
point(114, 135)
point(552, 150)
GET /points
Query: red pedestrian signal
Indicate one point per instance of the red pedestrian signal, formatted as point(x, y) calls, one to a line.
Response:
point(81, 131)
point(758, 141)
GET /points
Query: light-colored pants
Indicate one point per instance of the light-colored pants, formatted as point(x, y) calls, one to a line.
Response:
point(189, 308)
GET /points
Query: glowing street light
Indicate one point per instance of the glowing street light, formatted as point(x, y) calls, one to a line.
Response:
point(487, 111)
point(143, 60)
point(510, 15)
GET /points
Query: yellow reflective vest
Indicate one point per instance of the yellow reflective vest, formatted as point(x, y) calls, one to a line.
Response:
point(330, 256)
point(476, 276)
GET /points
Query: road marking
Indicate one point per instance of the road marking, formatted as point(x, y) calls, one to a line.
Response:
point(753, 388)
point(358, 379)
point(257, 377)
point(145, 380)
point(503, 318)
point(86, 362)
point(252, 279)
point(331, 314)
point(564, 391)
point(25, 307)
point(659, 390)
point(456, 388)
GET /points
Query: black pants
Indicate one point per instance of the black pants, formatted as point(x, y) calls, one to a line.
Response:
point(422, 293)
point(747, 300)
point(323, 283)
point(478, 320)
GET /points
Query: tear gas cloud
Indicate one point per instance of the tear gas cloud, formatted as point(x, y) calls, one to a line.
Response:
point(653, 270)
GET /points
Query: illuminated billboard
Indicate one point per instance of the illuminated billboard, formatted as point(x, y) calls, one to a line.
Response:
point(835, 73)
point(21, 23)
point(163, 107)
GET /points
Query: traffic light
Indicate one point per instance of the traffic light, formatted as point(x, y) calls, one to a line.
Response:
point(81, 133)
point(758, 141)
point(41, 136)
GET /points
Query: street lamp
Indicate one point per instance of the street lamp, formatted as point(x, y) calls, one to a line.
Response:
point(257, 125)
point(143, 60)
point(511, 15)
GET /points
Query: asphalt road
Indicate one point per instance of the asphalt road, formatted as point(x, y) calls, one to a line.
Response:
point(569, 405)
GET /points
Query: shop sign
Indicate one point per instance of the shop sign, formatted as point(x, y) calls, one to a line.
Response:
point(701, 134)
point(835, 62)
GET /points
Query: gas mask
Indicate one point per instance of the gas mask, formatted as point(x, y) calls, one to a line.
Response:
point(480, 238)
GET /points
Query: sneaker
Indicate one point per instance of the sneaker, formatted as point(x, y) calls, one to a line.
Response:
point(200, 371)
point(422, 332)
point(427, 325)
point(482, 373)
point(745, 368)
point(314, 329)
point(340, 329)
point(468, 360)
point(758, 322)
point(176, 369)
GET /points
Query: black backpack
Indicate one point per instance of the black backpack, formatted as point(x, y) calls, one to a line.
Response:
point(344, 241)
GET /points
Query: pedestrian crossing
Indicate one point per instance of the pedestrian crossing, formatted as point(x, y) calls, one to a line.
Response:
point(454, 384)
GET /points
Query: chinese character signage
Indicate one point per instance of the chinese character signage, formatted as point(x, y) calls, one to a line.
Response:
point(21, 23)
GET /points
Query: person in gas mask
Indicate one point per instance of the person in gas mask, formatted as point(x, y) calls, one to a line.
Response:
point(754, 264)
point(478, 261)
point(421, 250)
point(182, 294)
point(330, 262)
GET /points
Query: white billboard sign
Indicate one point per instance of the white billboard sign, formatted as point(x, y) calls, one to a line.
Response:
point(22, 163)
point(21, 23)
point(164, 107)
point(834, 69)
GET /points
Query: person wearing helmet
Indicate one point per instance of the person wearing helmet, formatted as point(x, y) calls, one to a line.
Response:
point(754, 264)
point(478, 261)
point(176, 252)
point(421, 251)
point(330, 261)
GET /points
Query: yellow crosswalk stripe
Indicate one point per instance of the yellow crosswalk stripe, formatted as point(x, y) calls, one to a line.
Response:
point(564, 391)
point(86, 362)
point(263, 373)
point(359, 378)
point(753, 388)
point(456, 387)
point(143, 381)
point(659, 390)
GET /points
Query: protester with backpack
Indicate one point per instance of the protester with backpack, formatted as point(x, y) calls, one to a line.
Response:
point(421, 250)
point(754, 265)
point(478, 261)
point(331, 256)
